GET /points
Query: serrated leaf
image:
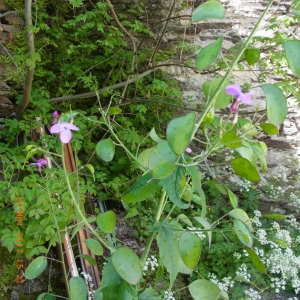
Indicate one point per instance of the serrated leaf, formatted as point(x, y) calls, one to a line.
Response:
point(252, 55)
point(154, 136)
point(231, 140)
point(143, 188)
point(208, 10)
point(88, 258)
point(78, 288)
point(256, 261)
point(127, 264)
point(94, 246)
point(107, 221)
point(243, 233)
point(269, 128)
point(245, 169)
point(179, 132)
point(168, 248)
point(208, 54)
point(161, 151)
point(292, 52)
point(163, 169)
point(276, 104)
point(203, 289)
point(171, 185)
point(105, 149)
point(190, 249)
point(209, 88)
point(36, 267)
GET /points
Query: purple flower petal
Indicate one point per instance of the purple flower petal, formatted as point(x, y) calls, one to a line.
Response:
point(55, 114)
point(65, 136)
point(234, 89)
point(57, 128)
point(247, 97)
point(188, 150)
point(42, 162)
point(71, 126)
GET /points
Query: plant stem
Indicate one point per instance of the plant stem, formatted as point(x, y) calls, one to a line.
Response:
point(229, 71)
point(77, 206)
point(152, 234)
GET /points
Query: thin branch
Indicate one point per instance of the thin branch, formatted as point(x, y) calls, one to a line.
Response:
point(100, 91)
point(30, 71)
point(10, 12)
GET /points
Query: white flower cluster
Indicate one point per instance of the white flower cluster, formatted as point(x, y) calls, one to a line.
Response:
point(169, 296)
point(151, 263)
point(245, 185)
point(284, 235)
point(295, 201)
point(237, 255)
point(275, 191)
point(201, 235)
point(223, 285)
point(88, 279)
point(252, 294)
point(292, 222)
point(242, 271)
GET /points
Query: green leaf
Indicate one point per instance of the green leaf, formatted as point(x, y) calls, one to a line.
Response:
point(36, 267)
point(243, 233)
point(154, 136)
point(114, 110)
point(183, 218)
point(132, 212)
point(163, 169)
point(276, 104)
point(179, 132)
point(107, 221)
point(91, 169)
point(143, 157)
point(206, 225)
point(45, 296)
point(242, 216)
point(208, 54)
point(246, 127)
point(162, 151)
point(105, 149)
point(143, 188)
point(67, 116)
point(127, 264)
point(183, 269)
point(296, 13)
point(190, 249)
point(233, 198)
point(149, 294)
point(244, 168)
point(292, 52)
point(203, 289)
point(88, 258)
point(187, 193)
point(246, 151)
point(282, 243)
point(256, 261)
point(159, 274)
point(78, 288)
point(167, 243)
point(113, 287)
point(252, 55)
point(269, 128)
point(208, 10)
point(171, 185)
point(260, 154)
point(231, 140)
point(274, 216)
point(209, 88)
point(94, 246)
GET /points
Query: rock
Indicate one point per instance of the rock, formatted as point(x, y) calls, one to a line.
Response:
point(3, 6)
point(6, 107)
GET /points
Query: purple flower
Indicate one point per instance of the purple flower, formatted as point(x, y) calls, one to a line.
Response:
point(236, 90)
point(64, 129)
point(188, 150)
point(55, 117)
point(41, 162)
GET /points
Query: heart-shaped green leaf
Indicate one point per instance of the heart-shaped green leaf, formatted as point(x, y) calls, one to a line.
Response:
point(105, 149)
point(107, 221)
point(252, 55)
